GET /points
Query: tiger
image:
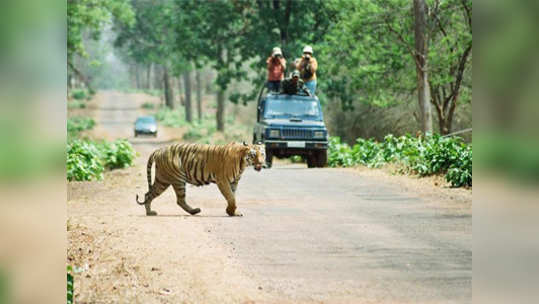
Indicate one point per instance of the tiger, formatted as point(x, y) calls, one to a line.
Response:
point(200, 164)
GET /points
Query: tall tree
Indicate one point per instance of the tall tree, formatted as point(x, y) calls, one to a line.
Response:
point(421, 63)
point(370, 55)
point(187, 84)
point(169, 93)
point(91, 16)
point(451, 28)
point(198, 82)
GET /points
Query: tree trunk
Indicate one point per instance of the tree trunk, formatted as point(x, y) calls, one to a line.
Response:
point(169, 95)
point(220, 109)
point(199, 95)
point(149, 77)
point(421, 49)
point(158, 77)
point(137, 76)
point(188, 109)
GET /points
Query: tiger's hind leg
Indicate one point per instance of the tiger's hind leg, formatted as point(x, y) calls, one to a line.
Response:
point(158, 187)
point(179, 188)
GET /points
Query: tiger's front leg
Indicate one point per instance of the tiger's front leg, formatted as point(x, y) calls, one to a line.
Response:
point(228, 192)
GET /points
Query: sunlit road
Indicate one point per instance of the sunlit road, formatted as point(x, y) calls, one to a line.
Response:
point(328, 235)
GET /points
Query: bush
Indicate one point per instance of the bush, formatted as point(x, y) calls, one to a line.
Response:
point(296, 159)
point(84, 161)
point(423, 156)
point(79, 123)
point(339, 154)
point(76, 104)
point(171, 118)
point(79, 94)
point(148, 105)
point(87, 160)
point(118, 154)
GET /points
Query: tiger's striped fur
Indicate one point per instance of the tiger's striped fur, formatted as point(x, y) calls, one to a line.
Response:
point(200, 165)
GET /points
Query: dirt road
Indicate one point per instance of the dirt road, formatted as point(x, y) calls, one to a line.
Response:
point(307, 235)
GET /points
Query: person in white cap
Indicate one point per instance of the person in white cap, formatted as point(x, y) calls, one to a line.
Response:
point(307, 67)
point(276, 66)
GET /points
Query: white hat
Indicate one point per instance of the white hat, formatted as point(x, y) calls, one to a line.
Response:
point(276, 51)
point(308, 49)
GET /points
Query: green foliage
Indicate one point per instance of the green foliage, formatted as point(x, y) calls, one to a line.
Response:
point(423, 156)
point(339, 154)
point(76, 104)
point(296, 159)
point(148, 105)
point(171, 118)
point(77, 124)
point(87, 160)
point(91, 16)
point(70, 284)
point(84, 161)
point(367, 56)
point(117, 154)
point(79, 94)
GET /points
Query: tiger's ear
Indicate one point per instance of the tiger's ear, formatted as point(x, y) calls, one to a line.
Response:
point(244, 144)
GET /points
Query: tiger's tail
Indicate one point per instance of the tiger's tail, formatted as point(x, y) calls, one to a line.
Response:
point(149, 174)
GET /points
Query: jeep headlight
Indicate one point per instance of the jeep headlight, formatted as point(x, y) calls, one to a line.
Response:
point(274, 133)
point(319, 134)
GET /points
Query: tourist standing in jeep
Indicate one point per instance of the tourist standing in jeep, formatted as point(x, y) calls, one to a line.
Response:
point(276, 65)
point(307, 67)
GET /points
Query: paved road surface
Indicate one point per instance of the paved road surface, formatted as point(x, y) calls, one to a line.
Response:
point(328, 235)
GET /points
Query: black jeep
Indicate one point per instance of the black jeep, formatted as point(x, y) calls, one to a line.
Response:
point(291, 125)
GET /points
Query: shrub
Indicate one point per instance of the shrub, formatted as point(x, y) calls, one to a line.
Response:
point(193, 134)
point(79, 123)
point(148, 105)
point(171, 118)
point(84, 161)
point(296, 159)
point(118, 154)
point(339, 154)
point(87, 160)
point(423, 156)
point(76, 104)
point(78, 94)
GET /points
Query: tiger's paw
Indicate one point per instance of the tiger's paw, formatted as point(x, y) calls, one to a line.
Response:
point(233, 212)
point(195, 211)
point(151, 213)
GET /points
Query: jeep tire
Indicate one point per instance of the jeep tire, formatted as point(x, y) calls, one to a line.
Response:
point(311, 161)
point(322, 158)
point(269, 158)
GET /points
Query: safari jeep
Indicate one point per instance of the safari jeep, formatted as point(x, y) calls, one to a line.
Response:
point(291, 125)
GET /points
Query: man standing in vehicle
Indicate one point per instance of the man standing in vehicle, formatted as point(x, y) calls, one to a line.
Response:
point(276, 66)
point(294, 85)
point(307, 67)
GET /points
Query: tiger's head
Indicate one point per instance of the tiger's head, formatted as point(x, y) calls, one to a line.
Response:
point(255, 156)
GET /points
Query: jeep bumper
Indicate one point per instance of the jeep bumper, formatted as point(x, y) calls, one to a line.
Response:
point(295, 145)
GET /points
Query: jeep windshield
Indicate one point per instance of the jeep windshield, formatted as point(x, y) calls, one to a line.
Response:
point(292, 108)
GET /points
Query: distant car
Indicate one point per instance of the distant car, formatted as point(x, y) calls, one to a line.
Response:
point(146, 125)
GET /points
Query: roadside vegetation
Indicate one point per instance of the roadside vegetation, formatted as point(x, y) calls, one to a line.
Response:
point(424, 156)
point(77, 124)
point(148, 105)
point(88, 159)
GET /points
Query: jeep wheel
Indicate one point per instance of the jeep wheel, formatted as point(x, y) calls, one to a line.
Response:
point(311, 161)
point(322, 158)
point(269, 158)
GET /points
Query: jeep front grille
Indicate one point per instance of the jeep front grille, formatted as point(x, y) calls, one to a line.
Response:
point(297, 133)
